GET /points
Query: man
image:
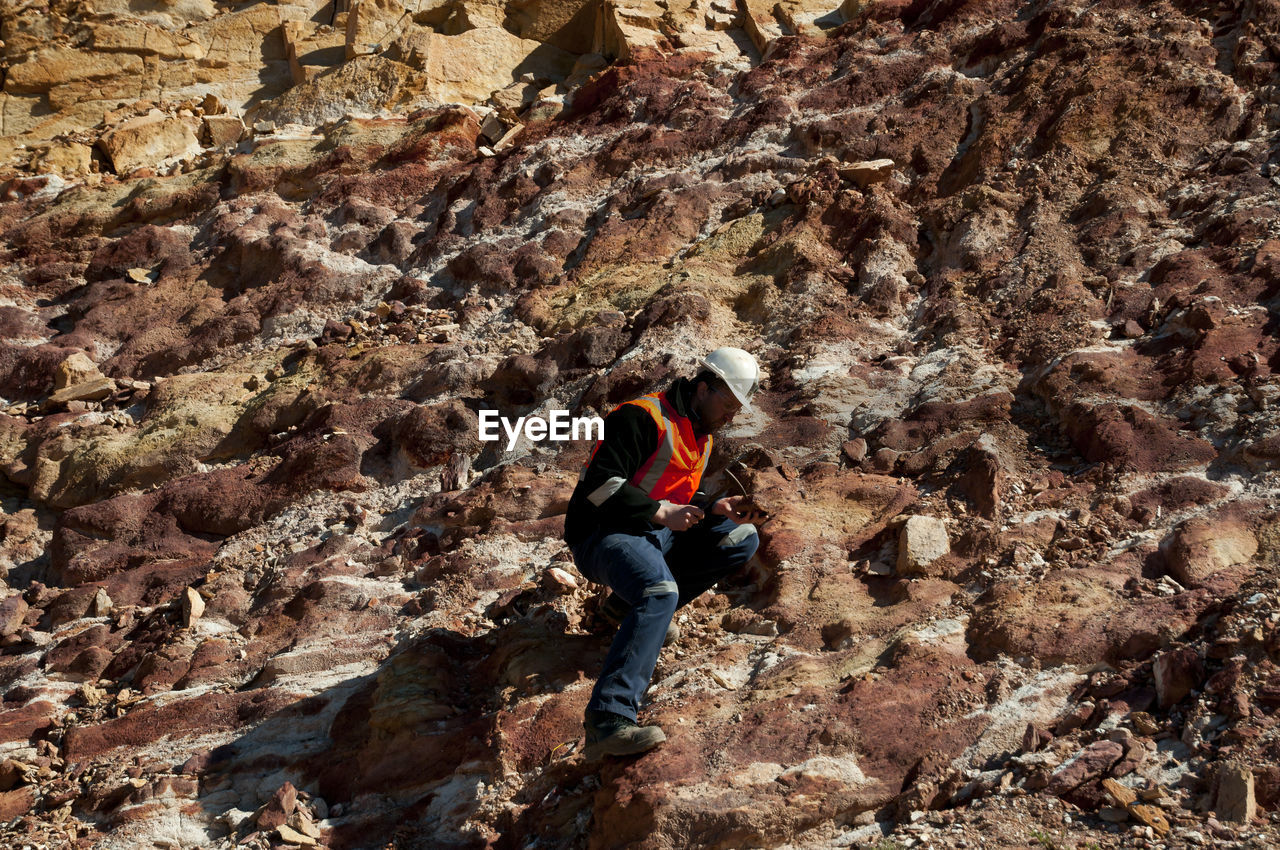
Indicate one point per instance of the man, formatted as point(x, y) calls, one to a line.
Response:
point(631, 525)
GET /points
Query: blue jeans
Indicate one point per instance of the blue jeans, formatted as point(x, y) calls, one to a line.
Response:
point(655, 572)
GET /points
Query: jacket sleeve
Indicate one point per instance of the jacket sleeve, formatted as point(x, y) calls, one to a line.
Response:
point(630, 437)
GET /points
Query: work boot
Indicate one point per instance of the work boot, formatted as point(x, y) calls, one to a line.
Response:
point(615, 610)
point(610, 734)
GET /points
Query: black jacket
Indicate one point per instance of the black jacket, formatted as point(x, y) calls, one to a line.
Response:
point(630, 437)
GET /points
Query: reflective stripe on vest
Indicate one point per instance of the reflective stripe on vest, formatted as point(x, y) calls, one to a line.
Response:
point(675, 469)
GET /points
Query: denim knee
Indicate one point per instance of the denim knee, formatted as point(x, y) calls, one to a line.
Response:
point(661, 597)
point(741, 542)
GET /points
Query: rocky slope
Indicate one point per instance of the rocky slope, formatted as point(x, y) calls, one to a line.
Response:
point(1013, 271)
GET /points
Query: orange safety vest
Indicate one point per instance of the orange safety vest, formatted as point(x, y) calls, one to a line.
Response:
point(675, 468)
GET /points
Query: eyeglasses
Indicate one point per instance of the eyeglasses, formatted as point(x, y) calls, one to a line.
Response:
point(733, 404)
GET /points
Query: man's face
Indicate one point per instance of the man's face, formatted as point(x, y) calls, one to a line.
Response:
point(716, 407)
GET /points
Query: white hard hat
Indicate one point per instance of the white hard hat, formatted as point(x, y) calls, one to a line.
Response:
point(737, 369)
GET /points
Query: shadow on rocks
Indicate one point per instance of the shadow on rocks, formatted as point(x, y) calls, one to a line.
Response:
point(410, 753)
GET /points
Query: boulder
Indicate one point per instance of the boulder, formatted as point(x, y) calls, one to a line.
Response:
point(192, 607)
point(631, 25)
point(1088, 764)
point(1201, 547)
point(452, 74)
point(922, 540)
point(67, 158)
point(76, 369)
point(566, 24)
point(867, 173)
point(312, 48)
point(768, 20)
point(1233, 793)
point(13, 613)
point(1176, 672)
point(278, 809)
point(222, 130)
point(149, 139)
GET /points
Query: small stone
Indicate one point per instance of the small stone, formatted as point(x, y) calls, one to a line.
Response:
point(90, 695)
point(10, 774)
point(1219, 830)
point(139, 275)
point(922, 540)
point(492, 128)
point(867, 172)
point(1234, 799)
point(560, 581)
point(192, 607)
point(301, 821)
point(1144, 723)
point(508, 138)
point(277, 811)
point(1123, 796)
point(855, 450)
point(13, 613)
point(101, 605)
point(292, 836)
point(1152, 817)
point(221, 130)
point(722, 681)
point(94, 390)
point(1152, 795)
point(1176, 672)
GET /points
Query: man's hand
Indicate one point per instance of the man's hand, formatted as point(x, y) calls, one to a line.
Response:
point(740, 510)
point(678, 517)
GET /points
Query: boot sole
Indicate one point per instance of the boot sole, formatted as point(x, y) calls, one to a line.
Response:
point(648, 738)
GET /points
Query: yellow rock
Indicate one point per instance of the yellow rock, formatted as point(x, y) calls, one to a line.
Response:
point(192, 607)
point(1122, 795)
point(65, 157)
point(1150, 816)
point(45, 69)
point(567, 24)
point(144, 40)
point(373, 24)
point(76, 369)
point(452, 73)
point(312, 48)
point(247, 37)
point(766, 20)
point(148, 139)
point(292, 836)
point(867, 173)
point(222, 130)
point(630, 25)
